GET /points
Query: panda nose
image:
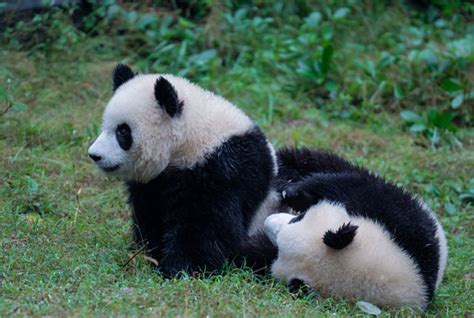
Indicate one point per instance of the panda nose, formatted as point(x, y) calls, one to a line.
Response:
point(94, 157)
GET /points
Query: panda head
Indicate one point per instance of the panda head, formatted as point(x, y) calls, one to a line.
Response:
point(141, 126)
point(303, 240)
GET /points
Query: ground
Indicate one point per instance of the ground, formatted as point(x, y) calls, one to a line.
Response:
point(387, 86)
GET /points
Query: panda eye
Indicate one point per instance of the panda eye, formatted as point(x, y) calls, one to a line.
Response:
point(123, 130)
point(297, 218)
point(123, 133)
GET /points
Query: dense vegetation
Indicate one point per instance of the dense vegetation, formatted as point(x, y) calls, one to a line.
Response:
point(388, 85)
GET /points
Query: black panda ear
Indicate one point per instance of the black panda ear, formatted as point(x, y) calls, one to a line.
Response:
point(167, 97)
point(121, 74)
point(342, 237)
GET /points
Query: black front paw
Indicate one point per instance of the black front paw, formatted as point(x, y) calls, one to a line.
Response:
point(298, 287)
point(173, 271)
point(296, 198)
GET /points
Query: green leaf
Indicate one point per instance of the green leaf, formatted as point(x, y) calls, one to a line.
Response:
point(470, 95)
point(313, 19)
point(185, 23)
point(434, 137)
point(467, 195)
point(429, 57)
point(19, 107)
point(450, 208)
point(411, 117)
point(326, 58)
point(327, 32)
point(132, 17)
point(3, 93)
point(331, 87)
point(418, 128)
point(398, 92)
point(341, 13)
point(451, 85)
point(457, 101)
point(368, 308)
point(441, 120)
point(146, 20)
point(113, 10)
point(32, 185)
point(204, 57)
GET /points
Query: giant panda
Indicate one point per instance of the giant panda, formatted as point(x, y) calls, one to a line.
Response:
point(197, 169)
point(293, 165)
point(358, 236)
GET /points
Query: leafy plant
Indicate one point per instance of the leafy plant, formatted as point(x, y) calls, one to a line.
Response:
point(8, 101)
point(434, 125)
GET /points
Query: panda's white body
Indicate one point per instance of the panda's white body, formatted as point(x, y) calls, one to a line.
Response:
point(372, 268)
point(358, 237)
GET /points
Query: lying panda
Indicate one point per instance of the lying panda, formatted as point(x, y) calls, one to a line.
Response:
point(196, 167)
point(358, 236)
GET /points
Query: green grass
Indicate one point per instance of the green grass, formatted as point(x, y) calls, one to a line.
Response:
point(65, 229)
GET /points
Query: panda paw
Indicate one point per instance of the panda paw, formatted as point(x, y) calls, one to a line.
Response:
point(296, 198)
point(298, 288)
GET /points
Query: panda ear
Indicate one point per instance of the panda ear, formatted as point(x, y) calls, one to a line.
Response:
point(342, 237)
point(121, 74)
point(167, 97)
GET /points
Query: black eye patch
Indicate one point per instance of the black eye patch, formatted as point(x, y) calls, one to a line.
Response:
point(124, 136)
point(297, 218)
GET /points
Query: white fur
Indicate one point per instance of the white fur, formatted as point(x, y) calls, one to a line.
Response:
point(274, 159)
point(275, 223)
point(159, 141)
point(269, 206)
point(443, 243)
point(372, 268)
point(443, 252)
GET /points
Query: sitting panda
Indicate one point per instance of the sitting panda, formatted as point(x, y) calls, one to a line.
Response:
point(197, 169)
point(358, 236)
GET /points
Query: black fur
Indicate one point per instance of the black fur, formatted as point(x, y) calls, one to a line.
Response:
point(298, 287)
point(296, 164)
point(342, 237)
point(123, 134)
point(195, 219)
point(121, 74)
point(293, 166)
point(297, 218)
point(167, 97)
point(257, 252)
point(366, 195)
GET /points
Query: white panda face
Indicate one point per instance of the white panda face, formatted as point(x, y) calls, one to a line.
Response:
point(372, 267)
point(294, 233)
point(138, 132)
point(154, 121)
point(299, 240)
point(274, 224)
point(110, 150)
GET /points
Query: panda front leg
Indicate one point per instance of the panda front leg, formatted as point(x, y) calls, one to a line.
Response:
point(192, 247)
point(317, 187)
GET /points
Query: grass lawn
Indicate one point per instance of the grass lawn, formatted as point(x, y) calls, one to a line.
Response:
point(390, 87)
